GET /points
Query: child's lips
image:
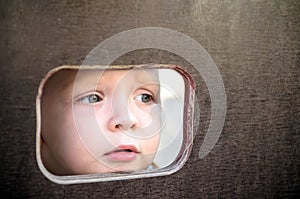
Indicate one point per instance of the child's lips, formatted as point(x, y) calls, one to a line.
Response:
point(124, 153)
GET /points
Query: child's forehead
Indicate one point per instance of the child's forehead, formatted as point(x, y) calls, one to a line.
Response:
point(59, 82)
point(109, 76)
point(66, 83)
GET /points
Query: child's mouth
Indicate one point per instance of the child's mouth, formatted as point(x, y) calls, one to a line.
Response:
point(124, 153)
point(124, 150)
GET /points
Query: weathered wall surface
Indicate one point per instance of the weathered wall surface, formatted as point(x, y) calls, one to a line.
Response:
point(255, 45)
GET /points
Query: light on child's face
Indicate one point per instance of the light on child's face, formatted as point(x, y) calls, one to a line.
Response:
point(104, 121)
point(117, 118)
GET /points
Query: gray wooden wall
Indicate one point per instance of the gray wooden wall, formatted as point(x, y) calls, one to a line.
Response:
point(254, 43)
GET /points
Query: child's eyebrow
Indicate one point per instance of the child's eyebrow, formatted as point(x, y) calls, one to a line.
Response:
point(83, 86)
point(148, 77)
point(86, 81)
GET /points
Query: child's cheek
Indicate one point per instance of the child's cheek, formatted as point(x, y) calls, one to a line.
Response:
point(90, 127)
point(150, 145)
point(149, 124)
point(149, 130)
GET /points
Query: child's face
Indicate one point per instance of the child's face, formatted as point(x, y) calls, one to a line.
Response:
point(92, 125)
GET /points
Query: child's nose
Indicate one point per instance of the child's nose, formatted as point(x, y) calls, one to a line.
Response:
point(122, 125)
point(122, 120)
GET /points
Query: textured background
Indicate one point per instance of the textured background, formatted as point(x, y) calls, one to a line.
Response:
point(255, 44)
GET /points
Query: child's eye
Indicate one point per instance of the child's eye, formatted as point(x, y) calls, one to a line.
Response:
point(145, 98)
point(91, 99)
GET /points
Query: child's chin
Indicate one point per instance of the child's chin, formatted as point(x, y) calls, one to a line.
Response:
point(127, 170)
